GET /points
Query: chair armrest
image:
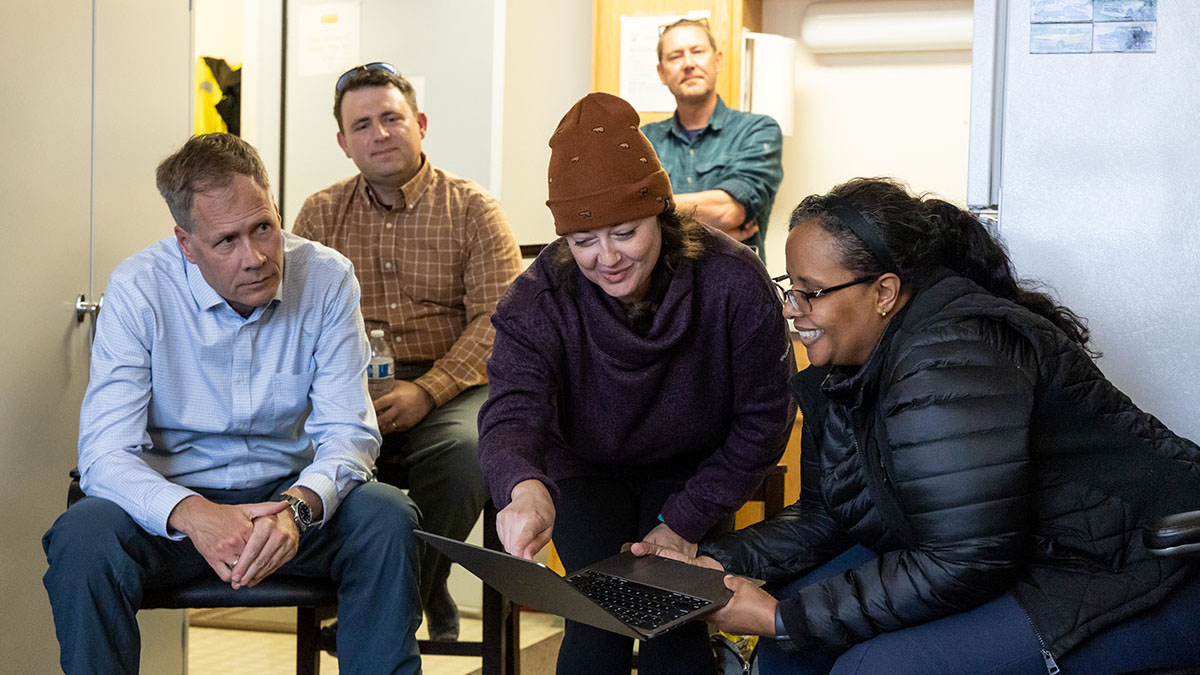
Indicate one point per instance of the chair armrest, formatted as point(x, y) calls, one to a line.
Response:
point(1175, 534)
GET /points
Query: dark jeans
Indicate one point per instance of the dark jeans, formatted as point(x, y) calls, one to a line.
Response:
point(101, 560)
point(996, 639)
point(595, 516)
point(438, 461)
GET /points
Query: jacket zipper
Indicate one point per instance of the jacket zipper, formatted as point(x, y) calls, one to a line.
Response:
point(1047, 657)
point(879, 482)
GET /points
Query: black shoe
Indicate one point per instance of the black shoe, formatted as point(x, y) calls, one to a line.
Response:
point(441, 615)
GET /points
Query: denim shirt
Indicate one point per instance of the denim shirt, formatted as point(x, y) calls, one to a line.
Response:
point(738, 152)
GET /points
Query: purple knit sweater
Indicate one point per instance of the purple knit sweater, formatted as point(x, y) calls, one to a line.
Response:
point(702, 397)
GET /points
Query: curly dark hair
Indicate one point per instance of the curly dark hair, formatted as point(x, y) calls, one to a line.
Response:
point(927, 236)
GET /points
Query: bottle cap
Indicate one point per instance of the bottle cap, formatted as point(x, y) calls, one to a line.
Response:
point(377, 332)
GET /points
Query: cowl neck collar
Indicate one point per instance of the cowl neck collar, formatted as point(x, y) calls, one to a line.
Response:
point(607, 326)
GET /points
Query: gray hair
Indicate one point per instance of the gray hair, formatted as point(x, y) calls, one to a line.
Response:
point(205, 162)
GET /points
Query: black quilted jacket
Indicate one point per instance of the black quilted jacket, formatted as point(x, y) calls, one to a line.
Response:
point(978, 451)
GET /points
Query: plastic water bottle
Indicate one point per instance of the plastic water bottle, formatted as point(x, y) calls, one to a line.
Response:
point(381, 375)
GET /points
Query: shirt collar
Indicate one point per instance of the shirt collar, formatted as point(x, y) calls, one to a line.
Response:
point(409, 193)
point(206, 298)
point(719, 117)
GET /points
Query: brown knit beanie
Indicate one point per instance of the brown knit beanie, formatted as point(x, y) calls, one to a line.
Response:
point(603, 171)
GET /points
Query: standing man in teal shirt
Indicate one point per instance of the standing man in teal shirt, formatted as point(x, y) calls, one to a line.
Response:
point(723, 163)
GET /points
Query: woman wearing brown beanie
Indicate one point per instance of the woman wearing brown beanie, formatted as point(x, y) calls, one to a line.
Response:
point(638, 381)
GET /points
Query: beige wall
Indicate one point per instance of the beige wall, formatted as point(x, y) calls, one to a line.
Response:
point(899, 114)
point(59, 244)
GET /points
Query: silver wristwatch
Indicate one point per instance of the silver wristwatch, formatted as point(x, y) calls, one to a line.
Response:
point(301, 513)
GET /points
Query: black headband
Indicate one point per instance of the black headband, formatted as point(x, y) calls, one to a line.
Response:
point(863, 229)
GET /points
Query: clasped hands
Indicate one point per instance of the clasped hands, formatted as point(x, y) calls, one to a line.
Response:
point(527, 523)
point(242, 543)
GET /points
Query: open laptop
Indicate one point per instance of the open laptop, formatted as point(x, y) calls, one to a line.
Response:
point(637, 597)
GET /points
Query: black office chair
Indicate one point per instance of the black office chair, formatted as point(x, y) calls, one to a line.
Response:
point(1175, 534)
point(316, 600)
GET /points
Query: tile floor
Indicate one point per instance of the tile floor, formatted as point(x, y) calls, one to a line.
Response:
point(216, 651)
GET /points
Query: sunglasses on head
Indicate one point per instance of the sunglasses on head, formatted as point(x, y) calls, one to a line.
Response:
point(375, 65)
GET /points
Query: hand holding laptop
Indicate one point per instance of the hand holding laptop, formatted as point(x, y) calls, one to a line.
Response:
point(647, 547)
point(663, 535)
point(751, 610)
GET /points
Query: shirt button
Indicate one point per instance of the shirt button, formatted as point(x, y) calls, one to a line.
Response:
point(397, 338)
point(689, 179)
point(393, 305)
point(388, 266)
point(692, 152)
point(388, 225)
point(411, 207)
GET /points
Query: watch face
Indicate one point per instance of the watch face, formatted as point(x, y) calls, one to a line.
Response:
point(303, 512)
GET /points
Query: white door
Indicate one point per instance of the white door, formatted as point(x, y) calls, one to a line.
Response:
point(53, 249)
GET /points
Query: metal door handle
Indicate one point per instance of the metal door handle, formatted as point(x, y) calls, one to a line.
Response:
point(84, 309)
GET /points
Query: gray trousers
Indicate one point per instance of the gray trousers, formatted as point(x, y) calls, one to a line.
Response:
point(438, 462)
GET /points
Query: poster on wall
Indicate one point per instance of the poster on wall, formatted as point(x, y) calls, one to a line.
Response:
point(328, 37)
point(639, 83)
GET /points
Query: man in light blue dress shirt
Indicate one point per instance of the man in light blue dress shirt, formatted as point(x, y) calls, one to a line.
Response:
point(227, 430)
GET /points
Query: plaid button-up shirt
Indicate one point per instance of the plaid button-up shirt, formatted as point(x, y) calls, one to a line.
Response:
point(432, 268)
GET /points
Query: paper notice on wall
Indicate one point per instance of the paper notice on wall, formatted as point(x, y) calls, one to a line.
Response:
point(328, 37)
point(639, 83)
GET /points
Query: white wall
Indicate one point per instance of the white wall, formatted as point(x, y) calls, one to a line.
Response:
point(884, 114)
point(261, 48)
point(246, 33)
point(548, 66)
point(218, 29)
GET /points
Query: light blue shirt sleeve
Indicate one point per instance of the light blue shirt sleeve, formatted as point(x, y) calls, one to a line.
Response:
point(112, 422)
point(343, 428)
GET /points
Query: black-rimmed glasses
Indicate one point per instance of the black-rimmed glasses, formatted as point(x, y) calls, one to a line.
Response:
point(804, 303)
point(374, 65)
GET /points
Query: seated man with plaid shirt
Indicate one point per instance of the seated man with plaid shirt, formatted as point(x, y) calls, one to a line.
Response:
point(433, 253)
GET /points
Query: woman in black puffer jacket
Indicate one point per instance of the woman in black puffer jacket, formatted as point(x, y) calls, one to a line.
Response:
point(974, 490)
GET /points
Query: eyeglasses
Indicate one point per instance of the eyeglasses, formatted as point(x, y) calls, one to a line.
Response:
point(374, 65)
point(790, 295)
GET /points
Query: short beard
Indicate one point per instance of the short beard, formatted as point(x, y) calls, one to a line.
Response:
point(694, 99)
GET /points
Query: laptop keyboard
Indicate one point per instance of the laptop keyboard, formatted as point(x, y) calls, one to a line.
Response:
point(636, 604)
